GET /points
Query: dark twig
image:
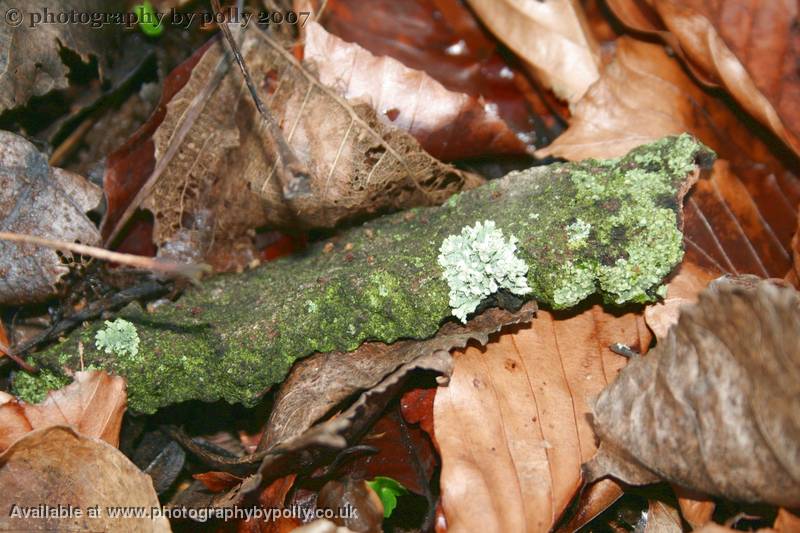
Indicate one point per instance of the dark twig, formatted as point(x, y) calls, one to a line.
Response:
point(147, 289)
point(293, 174)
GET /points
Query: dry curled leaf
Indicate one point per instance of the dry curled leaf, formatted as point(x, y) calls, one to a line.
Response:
point(448, 125)
point(92, 405)
point(320, 382)
point(749, 48)
point(30, 57)
point(56, 466)
point(40, 200)
point(551, 37)
point(662, 518)
point(511, 426)
point(211, 153)
point(715, 407)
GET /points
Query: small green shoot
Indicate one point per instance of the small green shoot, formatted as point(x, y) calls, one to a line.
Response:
point(387, 490)
point(147, 18)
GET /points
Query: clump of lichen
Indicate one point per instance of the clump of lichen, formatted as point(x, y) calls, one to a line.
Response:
point(33, 388)
point(119, 338)
point(479, 262)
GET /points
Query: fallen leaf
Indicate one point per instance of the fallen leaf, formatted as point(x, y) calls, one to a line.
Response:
point(92, 405)
point(683, 288)
point(721, 389)
point(319, 383)
point(31, 64)
point(355, 494)
point(448, 125)
point(444, 39)
point(551, 37)
point(740, 218)
point(211, 153)
point(697, 509)
point(786, 521)
point(593, 500)
point(662, 518)
point(749, 48)
point(40, 200)
point(56, 466)
point(512, 427)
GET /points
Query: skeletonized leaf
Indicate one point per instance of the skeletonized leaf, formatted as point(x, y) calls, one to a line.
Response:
point(56, 466)
point(447, 124)
point(40, 200)
point(511, 426)
point(551, 37)
point(212, 154)
point(30, 58)
point(749, 48)
point(92, 405)
point(715, 407)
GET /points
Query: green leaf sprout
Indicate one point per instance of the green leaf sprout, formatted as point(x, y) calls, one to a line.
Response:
point(387, 490)
point(148, 20)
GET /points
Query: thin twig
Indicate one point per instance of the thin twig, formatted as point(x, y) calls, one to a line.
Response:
point(187, 270)
point(17, 359)
point(294, 175)
point(94, 309)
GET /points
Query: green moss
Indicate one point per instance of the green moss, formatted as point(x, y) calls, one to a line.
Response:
point(33, 388)
point(593, 226)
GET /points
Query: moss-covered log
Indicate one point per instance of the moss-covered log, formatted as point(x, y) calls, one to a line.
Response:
point(595, 226)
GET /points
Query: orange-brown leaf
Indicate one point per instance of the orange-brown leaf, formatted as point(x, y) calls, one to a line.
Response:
point(551, 37)
point(92, 405)
point(512, 426)
point(448, 125)
point(749, 48)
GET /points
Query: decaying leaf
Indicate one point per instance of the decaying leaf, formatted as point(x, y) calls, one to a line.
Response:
point(447, 124)
point(662, 518)
point(552, 37)
point(512, 426)
point(317, 384)
point(716, 406)
point(30, 57)
point(750, 48)
point(92, 405)
point(44, 201)
point(56, 466)
point(211, 154)
point(684, 286)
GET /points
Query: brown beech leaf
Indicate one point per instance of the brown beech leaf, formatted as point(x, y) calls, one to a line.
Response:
point(319, 383)
point(715, 407)
point(682, 289)
point(447, 124)
point(444, 39)
point(786, 521)
point(56, 466)
point(594, 499)
point(741, 217)
point(92, 405)
point(697, 509)
point(749, 48)
point(31, 63)
point(512, 427)
point(551, 37)
point(40, 200)
point(662, 518)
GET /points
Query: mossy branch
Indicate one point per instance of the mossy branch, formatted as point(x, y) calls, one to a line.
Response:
point(611, 227)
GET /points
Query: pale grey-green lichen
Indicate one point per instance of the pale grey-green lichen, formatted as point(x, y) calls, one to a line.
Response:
point(118, 338)
point(479, 262)
point(578, 233)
